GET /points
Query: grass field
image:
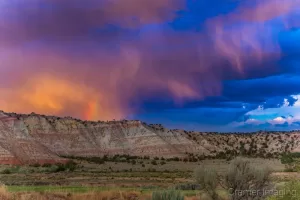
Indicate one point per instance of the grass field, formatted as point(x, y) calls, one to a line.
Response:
point(116, 174)
point(81, 189)
point(112, 179)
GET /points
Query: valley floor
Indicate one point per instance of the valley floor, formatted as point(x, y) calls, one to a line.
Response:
point(136, 179)
point(140, 173)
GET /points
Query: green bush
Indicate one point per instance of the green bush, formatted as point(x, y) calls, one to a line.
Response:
point(163, 162)
point(287, 159)
point(188, 186)
point(35, 165)
point(295, 154)
point(241, 175)
point(70, 165)
point(133, 162)
point(153, 162)
point(60, 167)
point(208, 179)
point(289, 169)
point(290, 191)
point(46, 165)
point(6, 171)
point(167, 195)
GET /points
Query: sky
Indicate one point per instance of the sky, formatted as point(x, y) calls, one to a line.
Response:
point(206, 65)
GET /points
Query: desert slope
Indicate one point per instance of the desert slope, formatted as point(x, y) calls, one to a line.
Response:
point(38, 138)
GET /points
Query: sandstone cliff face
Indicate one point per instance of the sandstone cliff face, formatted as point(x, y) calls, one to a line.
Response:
point(37, 138)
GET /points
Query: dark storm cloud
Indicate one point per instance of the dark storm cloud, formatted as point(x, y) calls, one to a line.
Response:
point(24, 21)
point(262, 89)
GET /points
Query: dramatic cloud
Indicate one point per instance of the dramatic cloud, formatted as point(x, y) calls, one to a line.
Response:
point(103, 59)
point(251, 32)
point(25, 21)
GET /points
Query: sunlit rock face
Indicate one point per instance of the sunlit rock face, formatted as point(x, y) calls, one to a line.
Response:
point(43, 139)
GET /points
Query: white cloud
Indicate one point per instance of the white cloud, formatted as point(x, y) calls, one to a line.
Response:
point(253, 121)
point(261, 107)
point(247, 122)
point(281, 120)
point(297, 103)
point(286, 113)
point(277, 120)
point(286, 103)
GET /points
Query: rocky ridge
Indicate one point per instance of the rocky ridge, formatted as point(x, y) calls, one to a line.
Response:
point(37, 138)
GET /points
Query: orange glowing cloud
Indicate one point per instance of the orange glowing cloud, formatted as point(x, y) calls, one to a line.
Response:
point(54, 96)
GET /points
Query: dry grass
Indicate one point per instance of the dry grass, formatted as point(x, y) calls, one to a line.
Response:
point(4, 194)
point(191, 198)
point(105, 195)
point(39, 196)
point(110, 195)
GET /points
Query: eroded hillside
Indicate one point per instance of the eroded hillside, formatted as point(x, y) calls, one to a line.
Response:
point(38, 138)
